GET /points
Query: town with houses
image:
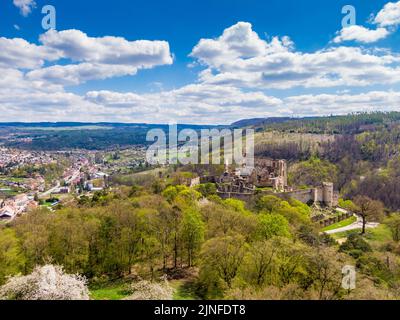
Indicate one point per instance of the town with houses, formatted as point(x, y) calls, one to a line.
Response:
point(18, 195)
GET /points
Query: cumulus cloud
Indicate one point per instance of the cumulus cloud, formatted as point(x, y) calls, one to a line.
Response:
point(19, 53)
point(33, 100)
point(101, 58)
point(386, 19)
point(75, 74)
point(25, 6)
point(221, 105)
point(326, 104)
point(78, 46)
point(237, 69)
point(240, 58)
point(389, 15)
point(196, 103)
point(190, 104)
point(238, 42)
point(30, 86)
point(90, 58)
point(361, 34)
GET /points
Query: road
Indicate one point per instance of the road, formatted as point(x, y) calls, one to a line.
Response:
point(356, 225)
point(47, 193)
point(50, 191)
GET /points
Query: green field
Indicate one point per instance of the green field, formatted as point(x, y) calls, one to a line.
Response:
point(9, 193)
point(115, 291)
point(184, 290)
point(378, 234)
point(340, 224)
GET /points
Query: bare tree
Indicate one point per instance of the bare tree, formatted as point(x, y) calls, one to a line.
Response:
point(368, 210)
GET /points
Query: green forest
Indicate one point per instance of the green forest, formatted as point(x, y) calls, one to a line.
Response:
point(209, 247)
point(195, 245)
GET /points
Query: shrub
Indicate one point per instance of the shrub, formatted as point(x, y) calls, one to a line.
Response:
point(45, 283)
point(355, 245)
point(146, 290)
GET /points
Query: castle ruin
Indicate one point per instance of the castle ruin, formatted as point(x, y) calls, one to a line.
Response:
point(270, 177)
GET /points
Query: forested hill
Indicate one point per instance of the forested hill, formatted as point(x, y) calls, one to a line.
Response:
point(259, 121)
point(345, 124)
point(94, 136)
point(73, 135)
point(359, 153)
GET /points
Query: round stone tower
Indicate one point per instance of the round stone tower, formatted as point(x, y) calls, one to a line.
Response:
point(327, 194)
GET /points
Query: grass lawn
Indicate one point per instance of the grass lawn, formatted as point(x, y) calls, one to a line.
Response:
point(377, 235)
point(345, 234)
point(46, 204)
point(184, 290)
point(380, 234)
point(10, 193)
point(116, 291)
point(12, 179)
point(341, 224)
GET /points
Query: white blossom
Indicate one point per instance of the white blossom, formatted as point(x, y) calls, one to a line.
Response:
point(45, 283)
point(146, 290)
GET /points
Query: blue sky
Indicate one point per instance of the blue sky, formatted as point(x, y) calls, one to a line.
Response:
point(301, 74)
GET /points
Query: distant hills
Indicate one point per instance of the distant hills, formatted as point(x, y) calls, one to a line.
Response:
point(104, 135)
point(259, 121)
point(340, 124)
point(361, 118)
point(93, 124)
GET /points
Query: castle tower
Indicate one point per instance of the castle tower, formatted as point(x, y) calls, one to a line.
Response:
point(327, 194)
point(314, 195)
point(283, 172)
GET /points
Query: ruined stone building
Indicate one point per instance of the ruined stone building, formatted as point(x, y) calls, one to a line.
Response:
point(323, 195)
point(272, 175)
point(243, 181)
point(231, 185)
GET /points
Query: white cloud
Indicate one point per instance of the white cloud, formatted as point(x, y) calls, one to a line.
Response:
point(78, 46)
point(19, 53)
point(361, 34)
point(25, 6)
point(221, 105)
point(275, 64)
point(75, 74)
point(26, 99)
point(238, 42)
point(190, 104)
point(100, 58)
point(389, 15)
point(326, 104)
point(200, 104)
point(32, 89)
point(239, 66)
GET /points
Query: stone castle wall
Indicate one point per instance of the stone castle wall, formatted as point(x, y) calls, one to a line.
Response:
point(325, 195)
